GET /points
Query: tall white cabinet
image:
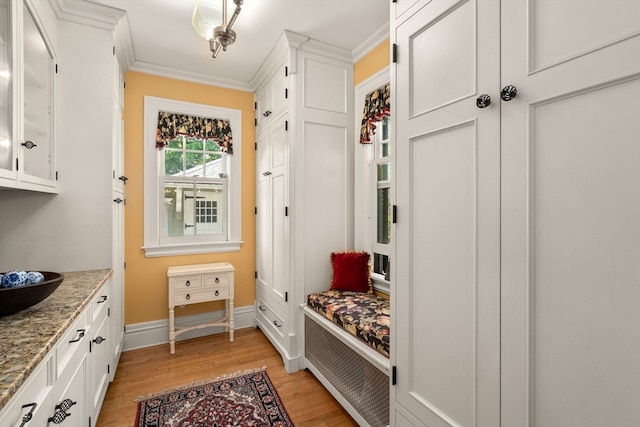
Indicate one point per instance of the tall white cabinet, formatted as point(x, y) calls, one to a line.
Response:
point(515, 293)
point(304, 119)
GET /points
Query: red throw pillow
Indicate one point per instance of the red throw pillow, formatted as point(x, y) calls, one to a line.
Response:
point(351, 271)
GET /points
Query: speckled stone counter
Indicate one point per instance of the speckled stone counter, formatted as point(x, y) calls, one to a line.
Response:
point(26, 337)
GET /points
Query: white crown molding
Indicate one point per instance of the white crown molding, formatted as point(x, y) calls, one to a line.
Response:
point(374, 40)
point(158, 70)
point(87, 13)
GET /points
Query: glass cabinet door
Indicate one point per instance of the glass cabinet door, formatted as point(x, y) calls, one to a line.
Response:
point(6, 90)
point(37, 144)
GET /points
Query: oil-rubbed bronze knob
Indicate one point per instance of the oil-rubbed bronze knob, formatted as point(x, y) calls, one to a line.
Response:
point(483, 101)
point(508, 93)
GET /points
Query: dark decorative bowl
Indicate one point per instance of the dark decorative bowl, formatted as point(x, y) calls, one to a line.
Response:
point(13, 300)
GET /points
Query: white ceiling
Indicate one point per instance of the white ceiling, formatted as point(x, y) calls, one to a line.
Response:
point(164, 41)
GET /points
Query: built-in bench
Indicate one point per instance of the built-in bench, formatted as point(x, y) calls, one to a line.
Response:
point(347, 348)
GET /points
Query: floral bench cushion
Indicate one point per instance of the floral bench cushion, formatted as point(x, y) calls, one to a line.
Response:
point(363, 315)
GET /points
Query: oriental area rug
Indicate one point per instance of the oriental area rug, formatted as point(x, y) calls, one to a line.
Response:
point(242, 399)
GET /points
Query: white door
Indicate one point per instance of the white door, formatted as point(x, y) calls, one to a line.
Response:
point(446, 310)
point(571, 214)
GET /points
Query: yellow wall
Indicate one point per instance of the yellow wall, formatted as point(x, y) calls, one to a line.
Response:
point(146, 278)
point(375, 60)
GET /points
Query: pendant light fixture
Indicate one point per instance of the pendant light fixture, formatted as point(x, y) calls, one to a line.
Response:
point(213, 27)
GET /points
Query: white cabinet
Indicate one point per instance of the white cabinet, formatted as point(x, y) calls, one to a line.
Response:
point(305, 143)
point(70, 383)
point(27, 131)
point(517, 237)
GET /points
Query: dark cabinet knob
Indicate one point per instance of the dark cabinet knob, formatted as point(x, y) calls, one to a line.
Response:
point(28, 145)
point(508, 93)
point(483, 101)
point(123, 179)
point(118, 200)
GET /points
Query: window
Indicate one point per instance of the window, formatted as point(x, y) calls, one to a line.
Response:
point(192, 187)
point(381, 184)
point(373, 180)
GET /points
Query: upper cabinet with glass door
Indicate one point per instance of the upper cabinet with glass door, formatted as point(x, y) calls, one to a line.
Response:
point(27, 76)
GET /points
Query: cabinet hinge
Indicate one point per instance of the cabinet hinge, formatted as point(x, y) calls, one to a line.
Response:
point(108, 311)
point(393, 1)
point(255, 146)
point(393, 375)
point(286, 125)
point(89, 421)
point(286, 71)
point(114, 50)
point(394, 53)
point(286, 296)
point(394, 214)
point(286, 93)
point(17, 168)
point(56, 68)
point(255, 210)
point(56, 175)
point(89, 346)
point(255, 274)
point(255, 122)
point(108, 369)
point(286, 211)
point(255, 105)
point(124, 85)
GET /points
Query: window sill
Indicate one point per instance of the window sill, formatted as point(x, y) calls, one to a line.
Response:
point(191, 249)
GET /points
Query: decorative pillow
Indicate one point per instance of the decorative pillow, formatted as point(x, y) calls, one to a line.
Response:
point(351, 271)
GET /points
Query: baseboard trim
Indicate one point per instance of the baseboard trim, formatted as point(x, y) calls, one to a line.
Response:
point(147, 334)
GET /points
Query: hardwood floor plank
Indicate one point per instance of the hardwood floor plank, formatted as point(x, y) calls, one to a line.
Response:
point(152, 369)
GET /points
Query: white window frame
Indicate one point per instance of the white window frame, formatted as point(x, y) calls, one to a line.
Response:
point(365, 170)
point(154, 187)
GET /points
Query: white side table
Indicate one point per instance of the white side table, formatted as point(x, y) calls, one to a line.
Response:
point(194, 284)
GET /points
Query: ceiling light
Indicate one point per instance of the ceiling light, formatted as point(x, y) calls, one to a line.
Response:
point(213, 25)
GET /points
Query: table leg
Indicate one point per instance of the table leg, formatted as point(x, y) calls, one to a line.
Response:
point(231, 324)
point(172, 331)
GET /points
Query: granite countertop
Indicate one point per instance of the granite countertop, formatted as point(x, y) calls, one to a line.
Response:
point(26, 337)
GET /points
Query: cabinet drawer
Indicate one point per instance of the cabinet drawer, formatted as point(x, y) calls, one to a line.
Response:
point(216, 280)
point(34, 391)
point(186, 282)
point(72, 341)
point(100, 302)
point(267, 316)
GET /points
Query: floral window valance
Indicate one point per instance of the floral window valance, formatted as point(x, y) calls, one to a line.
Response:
point(170, 125)
point(377, 106)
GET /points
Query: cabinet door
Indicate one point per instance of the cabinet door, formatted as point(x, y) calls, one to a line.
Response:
point(570, 209)
point(272, 223)
point(69, 403)
point(37, 145)
point(98, 362)
point(7, 83)
point(446, 281)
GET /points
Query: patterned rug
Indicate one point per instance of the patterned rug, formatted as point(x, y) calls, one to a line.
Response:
point(242, 399)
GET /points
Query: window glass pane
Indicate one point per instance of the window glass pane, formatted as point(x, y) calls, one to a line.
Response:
point(194, 164)
point(211, 145)
point(383, 171)
point(381, 264)
point(213, 165)
point(208, 208)
point(174, 202)
point(194, 209)
point(385, 129)
point(173, 162)
point(384, 216)
point(175, 143)
point(194, 144)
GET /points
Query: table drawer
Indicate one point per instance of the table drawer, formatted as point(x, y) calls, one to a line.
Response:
point(192, 297)
point(214, 280)
point(187, 282)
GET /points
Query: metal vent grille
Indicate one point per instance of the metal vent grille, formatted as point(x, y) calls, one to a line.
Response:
point(363, 385)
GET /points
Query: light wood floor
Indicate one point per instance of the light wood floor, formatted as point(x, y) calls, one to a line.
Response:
point(153, 369)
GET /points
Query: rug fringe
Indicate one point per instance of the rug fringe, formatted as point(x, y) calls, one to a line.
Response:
point(197, 383)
